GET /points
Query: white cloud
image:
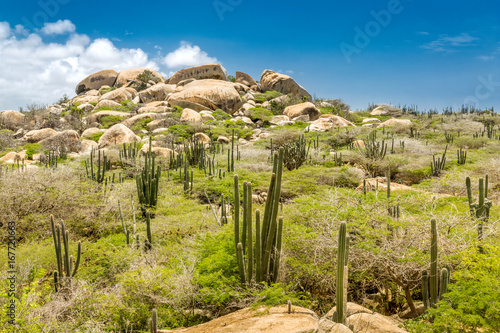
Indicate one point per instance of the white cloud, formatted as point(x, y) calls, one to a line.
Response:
point(4, 30)
point(58, 28)
point(449, 44)
point(425, 33)
point(34, 71)
point(188, 55)
point(486, 58)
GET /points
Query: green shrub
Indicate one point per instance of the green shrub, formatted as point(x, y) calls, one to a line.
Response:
point(268, 95)
point(31, 149)
point(141, 124)
point(259, 113)
point(107, 90)
point(108, 121)
point(182, 131)
point(221, 115)
point(96, 136)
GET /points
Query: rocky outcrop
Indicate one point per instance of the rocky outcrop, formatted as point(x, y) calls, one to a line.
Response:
point(190, 116)
point(97, 80)
point(39, 135)
point(158, 92)
point(158, 151)
point(211, 71)
point(12, 120)
point(245, 79)
point(396, 122)
point(260, 320)
point(212, 94)
point(328, 121)
point(387, 110)
point(283, 83)
point(202, 138)
point(107, 104)
point(70, 139)
point(126, 76)
point(307, 108)
point(117, 135)
point(119, 95)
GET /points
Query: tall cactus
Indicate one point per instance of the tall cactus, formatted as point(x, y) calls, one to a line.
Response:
point(268, 230)
point(97, 172)
point(430, 283)
point(66, 267)
point(153, 328)
point(342, 257)
point(147, 182)
point(434, 273)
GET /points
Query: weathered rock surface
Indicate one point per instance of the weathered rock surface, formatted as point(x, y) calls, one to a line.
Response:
point(210, 71)
point(97, 80)
point(107, 104)
point(39, 135)
point(190, 116)
point(12, 120)
point(245, 79)
point(387, 110)
point(87, 146)
point(307, 108)
point(270, 80)
point(158, 92)
point(158, 151)
point(212, 94)
point(396, 122)
point(202, 138)
point(117, 135)
point(89, 132)
point(328, 121)
point(261, 320)
point(328, 326)
point(69, 138)
point(128, 75)
point(119, 95)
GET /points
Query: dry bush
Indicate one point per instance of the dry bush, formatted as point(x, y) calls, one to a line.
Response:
point(255, 160)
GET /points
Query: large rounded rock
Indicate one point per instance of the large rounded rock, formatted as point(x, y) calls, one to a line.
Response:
point(158, 92)
point(387, 110)
point(158, 151)
point(373, 323)
point(12, 120)
point(297, 110)
point(119, 95)
point(107, 104)
point(211, 71)
point(97, 80)
point(90, 132)
point(39, 135)
point(260, 320)
point(88, 146)
point(117, 135)
point(128, 75)
point(69, 139)
point(190, 116)
point(201, 138)
point(245, 79)
point(270, 80)
point(328, 122)
point(212, 94)
point(396, 122)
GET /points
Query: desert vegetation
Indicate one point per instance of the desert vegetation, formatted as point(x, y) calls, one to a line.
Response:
point(402, 219)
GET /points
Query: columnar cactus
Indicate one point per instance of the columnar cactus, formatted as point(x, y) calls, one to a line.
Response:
point(480, 209)
point(437, 165)
point(268, 233)
point(461, 156)
point(66, 267)
point(342, 257)
point(147, 182)
point(434, 273)
point(153, 328)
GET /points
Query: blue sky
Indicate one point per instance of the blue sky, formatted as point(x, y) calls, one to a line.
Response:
point(429, 53)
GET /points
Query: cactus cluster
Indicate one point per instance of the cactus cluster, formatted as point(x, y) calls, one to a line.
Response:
point(296, 153)
point(147, 182)
point(268, 234)
point(97, 172)
point(461, 156)
point(480, 209)
point(128, 152)
point(66, 266)
point(437, 164)
point(374, 150)
point(430, 283)
point(152, 322)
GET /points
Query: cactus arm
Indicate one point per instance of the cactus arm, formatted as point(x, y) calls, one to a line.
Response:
point(249, 233)
point(433, 277)
point(241, 266)
point(258, 245)
point(425, 290)
point(236, 212)
point(341, 256)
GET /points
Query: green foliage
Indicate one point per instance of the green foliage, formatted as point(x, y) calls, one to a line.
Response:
point(259, 113)
point(221, 115)
point(472, 303)
point(108, 121)
point(107, 90)
point(182, 131)
point(268, 95)
point(296, 153)
point(96, 136)
point(231, 78)
point(31, 149)
point(141, 124)
point(143, 80)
